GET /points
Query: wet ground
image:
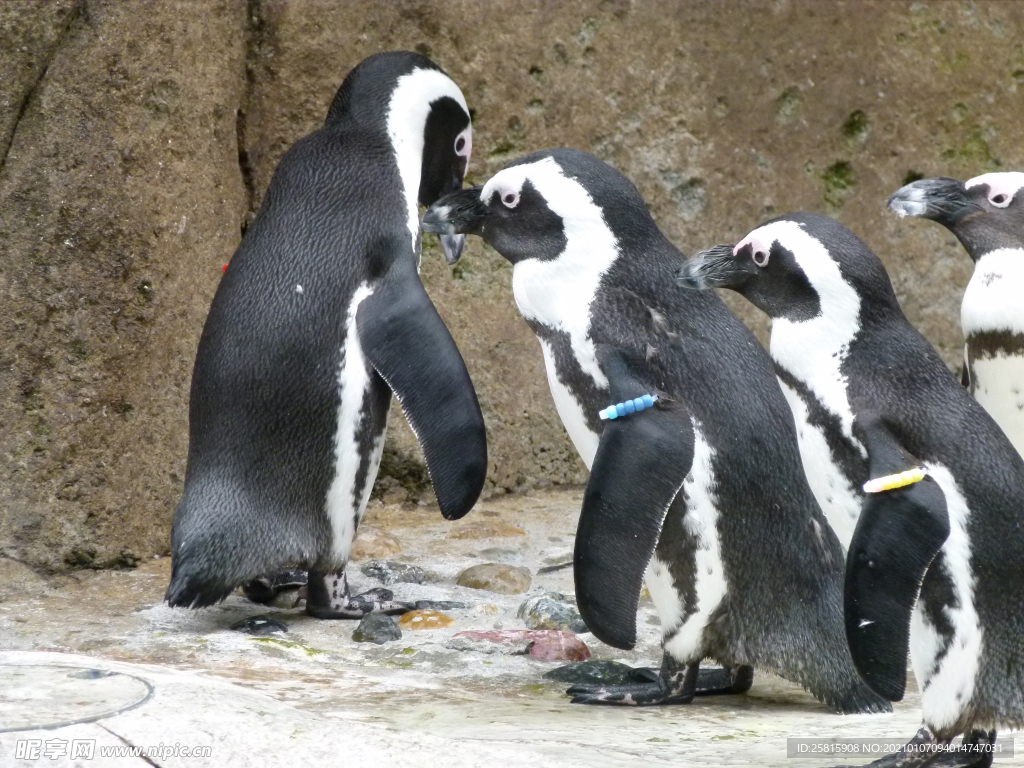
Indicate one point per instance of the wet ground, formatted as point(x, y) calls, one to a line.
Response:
point(315, 697)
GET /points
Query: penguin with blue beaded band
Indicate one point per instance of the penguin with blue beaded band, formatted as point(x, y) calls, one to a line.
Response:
point(700, 491)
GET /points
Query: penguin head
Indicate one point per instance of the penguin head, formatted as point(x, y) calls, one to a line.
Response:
point(791, 266)
point(534, 207)
point(424, 115)
point(985, 213)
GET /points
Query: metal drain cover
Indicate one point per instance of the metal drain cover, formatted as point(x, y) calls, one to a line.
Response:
point(49, 696)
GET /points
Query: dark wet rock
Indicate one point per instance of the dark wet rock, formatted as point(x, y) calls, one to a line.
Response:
point(389, 572)
point(495, 577)
point(377, 628)
point(540, 644)
point(592, 672)
point(551, 610)
point(438, 605)
point(260, 625)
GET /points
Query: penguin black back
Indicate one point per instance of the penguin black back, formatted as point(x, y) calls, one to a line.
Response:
point(319, 316)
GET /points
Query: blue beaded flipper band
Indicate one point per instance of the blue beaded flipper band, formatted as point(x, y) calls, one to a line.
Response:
point(628, 407)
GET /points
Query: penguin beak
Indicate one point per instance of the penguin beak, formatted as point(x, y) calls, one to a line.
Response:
point(715, 267)
point(452, 246)
point(942, 200)
point(453, 217)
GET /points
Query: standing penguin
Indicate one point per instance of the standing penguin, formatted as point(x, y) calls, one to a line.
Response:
point(695, 475)
point(318, 319)
point(987, 216)
point(934, 563)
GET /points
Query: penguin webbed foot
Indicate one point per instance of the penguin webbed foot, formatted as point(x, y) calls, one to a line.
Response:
point(283, 589)
point(646, 687)
point(329, 598)
point(672, 684)
point(927, 750)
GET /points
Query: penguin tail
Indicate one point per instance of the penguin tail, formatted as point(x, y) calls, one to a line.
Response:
point(208, 556)
point(192, 589)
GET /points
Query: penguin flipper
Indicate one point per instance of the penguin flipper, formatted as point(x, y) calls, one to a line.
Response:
point(639, 467)
point(409, 345)
point(897, 536)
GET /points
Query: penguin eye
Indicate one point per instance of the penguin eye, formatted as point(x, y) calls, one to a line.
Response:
point(760, 258)
point(1000, 200)
point(460, 143)
point(510, 199)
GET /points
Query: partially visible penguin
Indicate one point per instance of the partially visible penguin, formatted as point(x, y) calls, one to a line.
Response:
point(319, 318)
point(987, 216)
point(703, 491)
point(936, 564)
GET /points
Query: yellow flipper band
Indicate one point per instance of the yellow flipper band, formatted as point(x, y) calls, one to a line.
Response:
point(899, 480)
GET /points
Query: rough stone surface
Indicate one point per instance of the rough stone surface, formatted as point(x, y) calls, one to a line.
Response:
point(485, 530)
point(388, 572)
point(133, 146)
point(377, 628)
point(373, 543)
point(551, 610)
point(495, 577)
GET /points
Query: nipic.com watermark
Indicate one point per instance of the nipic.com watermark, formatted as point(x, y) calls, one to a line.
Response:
point(87, 749)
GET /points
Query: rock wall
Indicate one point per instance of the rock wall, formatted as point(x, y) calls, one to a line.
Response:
point(137, 138)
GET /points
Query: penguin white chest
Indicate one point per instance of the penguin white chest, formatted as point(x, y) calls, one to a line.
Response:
point(570, 410)
point(813, 351)
point(839, 501)
point(992, 305)
point(558, 294)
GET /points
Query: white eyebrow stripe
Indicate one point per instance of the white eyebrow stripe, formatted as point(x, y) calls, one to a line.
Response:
point(1004, 182)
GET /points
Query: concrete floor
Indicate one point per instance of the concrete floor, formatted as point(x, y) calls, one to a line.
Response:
point(314, 697)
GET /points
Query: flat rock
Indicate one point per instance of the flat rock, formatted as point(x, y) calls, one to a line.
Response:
point(496, 577)
point(389, 572)
point(551, 610)
point(377, 628)
point(485, 530)
point(425, 620)
point(373, 543)
point(540, 644)
point(591, 672)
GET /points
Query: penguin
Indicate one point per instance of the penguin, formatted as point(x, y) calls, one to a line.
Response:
point(702, 494)
point(987, 215)
point(935, 565)
point(318, 319)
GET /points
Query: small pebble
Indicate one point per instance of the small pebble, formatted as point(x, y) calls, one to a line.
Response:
point(425, 620)
point(551, 610)
point(495, 577)
point(259, 625)
point(377, 628)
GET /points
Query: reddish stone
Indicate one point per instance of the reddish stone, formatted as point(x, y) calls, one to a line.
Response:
point(547, 644)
